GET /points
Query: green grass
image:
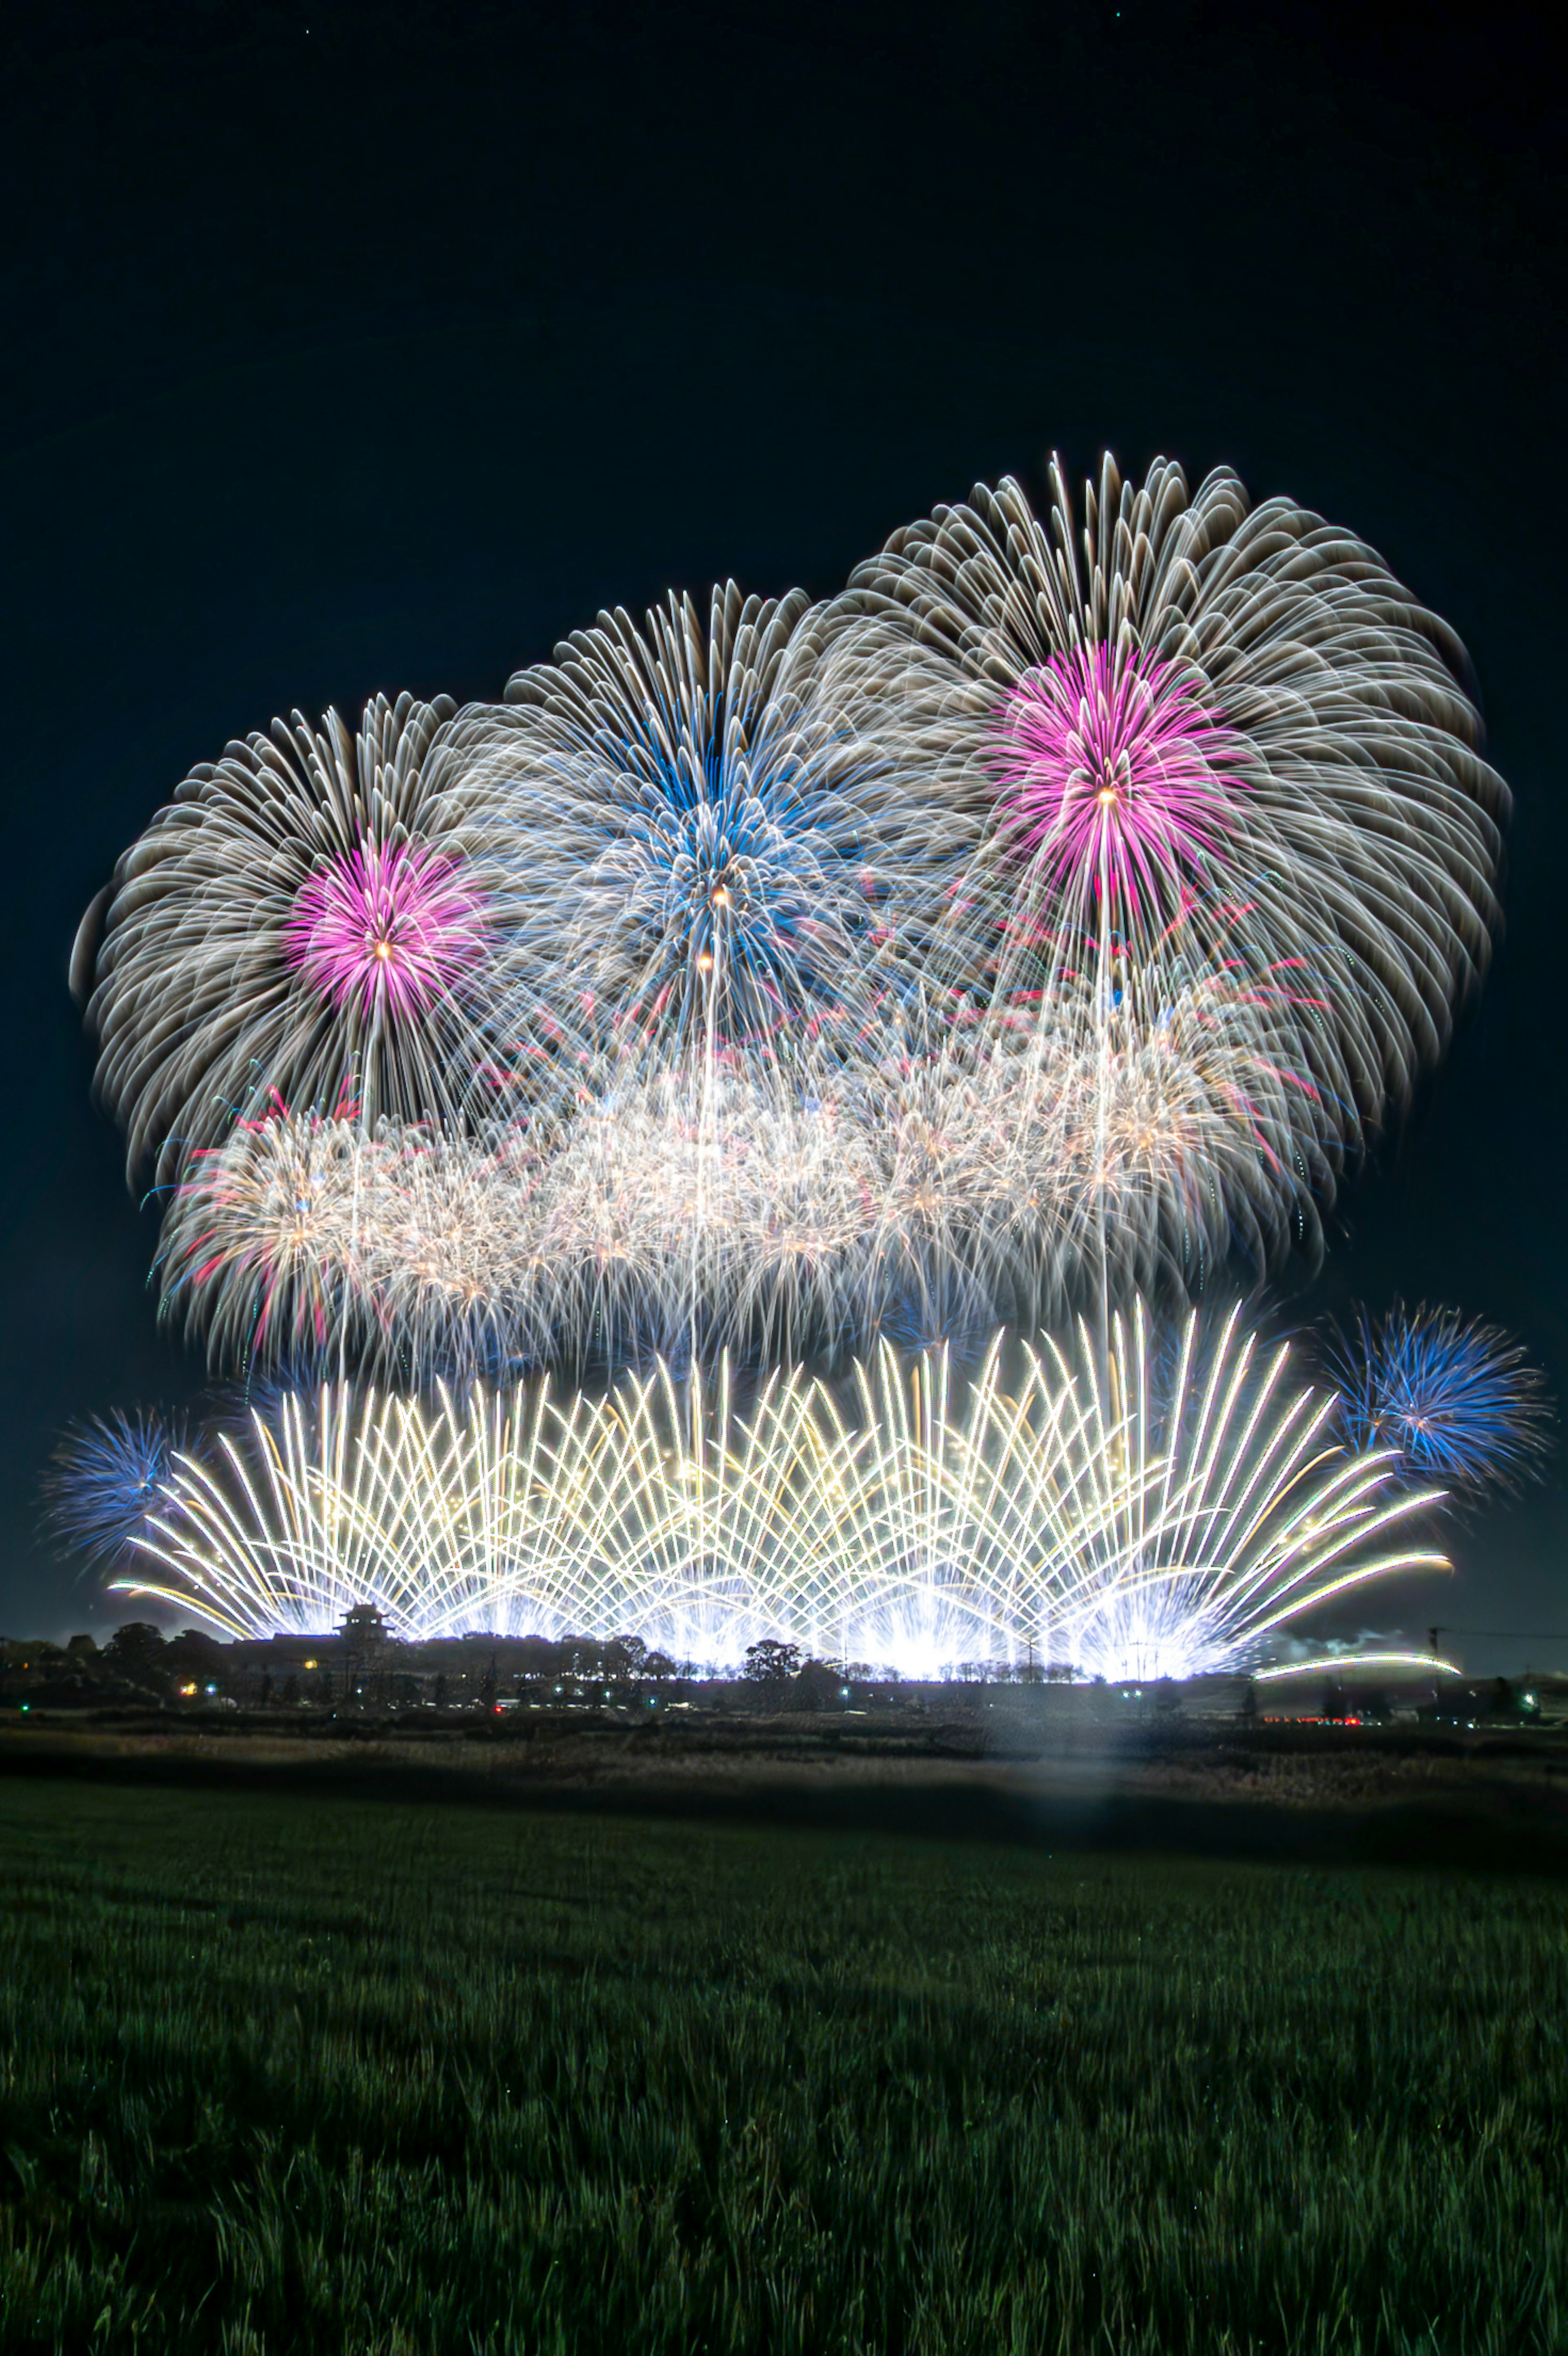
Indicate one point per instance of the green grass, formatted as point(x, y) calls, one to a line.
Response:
point(281, 2073)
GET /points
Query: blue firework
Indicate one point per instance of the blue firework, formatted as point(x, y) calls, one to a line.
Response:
point(693, 845)
point(108, 1479)
point(1458, 1398)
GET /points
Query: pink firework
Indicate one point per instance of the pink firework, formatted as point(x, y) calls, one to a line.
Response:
point(392, 927)
point(1114, 766)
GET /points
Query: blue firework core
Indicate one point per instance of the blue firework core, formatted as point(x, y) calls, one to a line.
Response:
point(742, 885)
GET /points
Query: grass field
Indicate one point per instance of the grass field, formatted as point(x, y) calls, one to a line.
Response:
point(280, 2072)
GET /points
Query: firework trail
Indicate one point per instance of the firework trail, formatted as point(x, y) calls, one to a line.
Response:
point(1135, 1523)
point(1232, 1506)
point(1455, 1398)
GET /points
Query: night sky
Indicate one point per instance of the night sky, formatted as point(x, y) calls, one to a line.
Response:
point(353, 347)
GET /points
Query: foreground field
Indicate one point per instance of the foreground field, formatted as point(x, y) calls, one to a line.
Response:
point(281, 2072)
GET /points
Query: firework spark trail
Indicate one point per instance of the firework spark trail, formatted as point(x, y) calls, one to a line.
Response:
point(1231, 1508)
point(1123, 1525)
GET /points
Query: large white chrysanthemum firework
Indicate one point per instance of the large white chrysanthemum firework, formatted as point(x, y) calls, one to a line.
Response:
point(1202, 719)
point(297, 923)
point(692, 846)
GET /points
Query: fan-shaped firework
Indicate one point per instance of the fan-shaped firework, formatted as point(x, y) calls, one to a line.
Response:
point(1236, 1509)
point(692, 844)
point(110, 1475)
point(1455, 1399)
point(1101, 1518)
point(1227, 720)
point(297, 920)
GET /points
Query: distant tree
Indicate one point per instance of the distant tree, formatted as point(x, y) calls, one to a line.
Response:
point(439, 1692)
point(818, 1686)
point(84, 1648)
point(291, 1691)
point(138, 1651)
point(658, 1666)
point(195, 1659)
point(487, 1685)
point(770, 1662)
point(266, 1688)
point(321, 1692)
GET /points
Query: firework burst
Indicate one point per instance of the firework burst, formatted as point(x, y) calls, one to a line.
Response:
point(1050, 919)
point(926, 1192)
point(295, 922)
point(109, 1478)
point(1455, 1398)
point(692, 845)
point(1201, 717)
point(1111, 777)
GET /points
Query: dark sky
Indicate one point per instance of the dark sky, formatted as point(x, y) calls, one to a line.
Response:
point(374, 346)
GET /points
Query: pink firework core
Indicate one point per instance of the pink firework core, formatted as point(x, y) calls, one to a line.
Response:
point(1115, 767)
point(392, 928)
